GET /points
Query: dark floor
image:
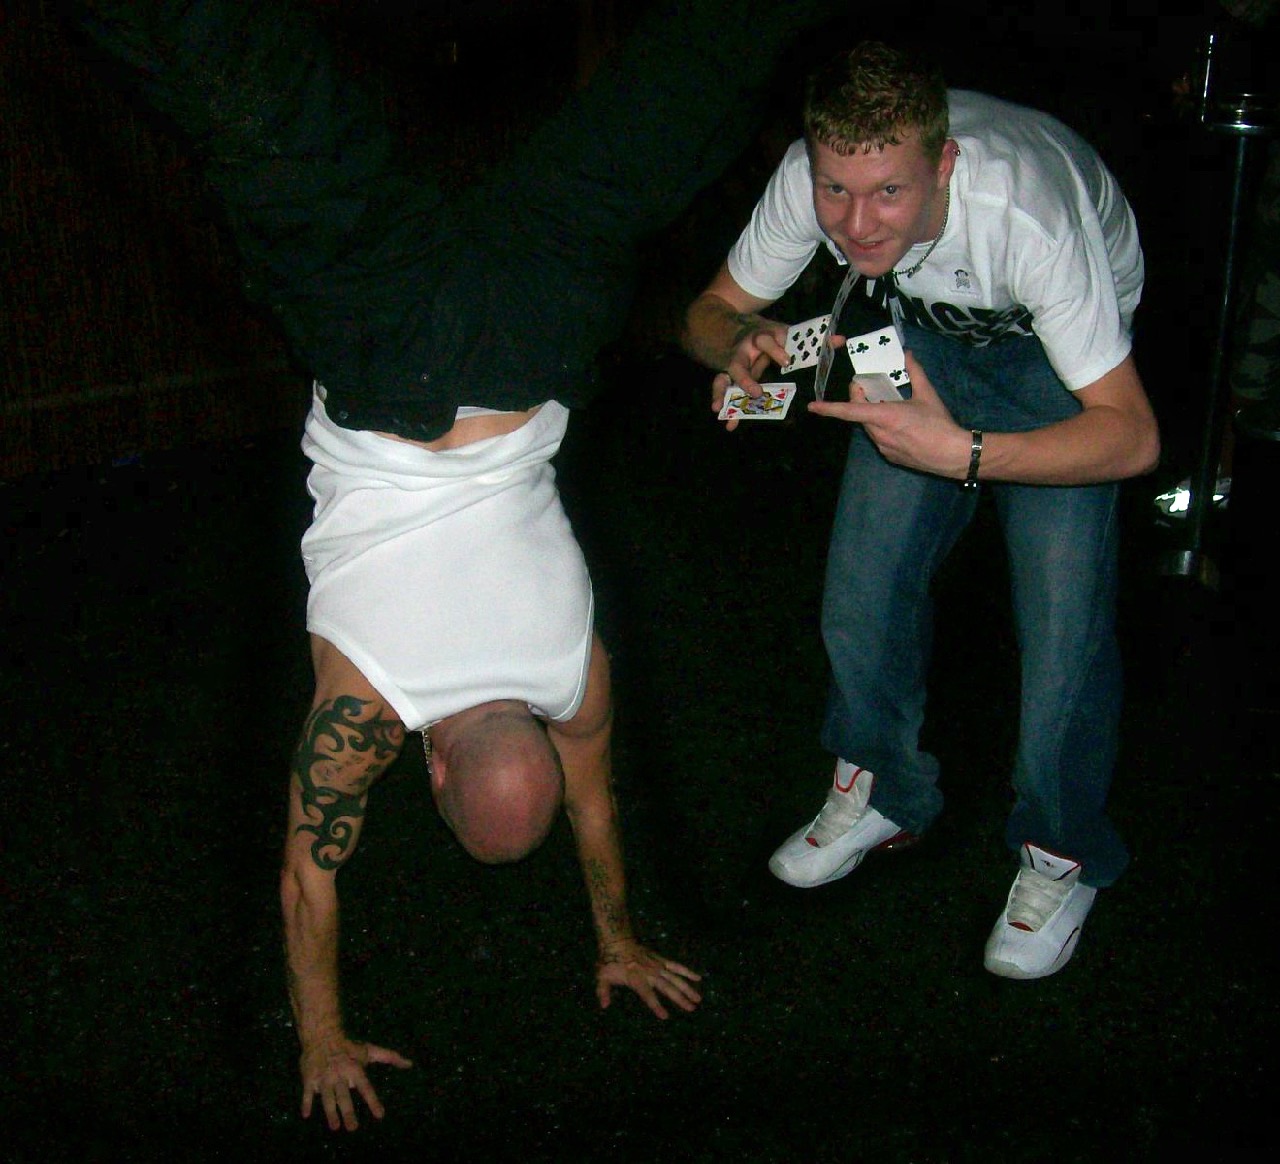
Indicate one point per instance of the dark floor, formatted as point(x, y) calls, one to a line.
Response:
point(155, 673)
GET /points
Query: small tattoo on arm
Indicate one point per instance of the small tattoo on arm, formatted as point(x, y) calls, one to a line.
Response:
point(609, 908)
point(746, 325)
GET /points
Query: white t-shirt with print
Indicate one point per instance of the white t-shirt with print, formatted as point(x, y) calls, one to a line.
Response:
point(1039, 239)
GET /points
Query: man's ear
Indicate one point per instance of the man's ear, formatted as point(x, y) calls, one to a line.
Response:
point(947, 163)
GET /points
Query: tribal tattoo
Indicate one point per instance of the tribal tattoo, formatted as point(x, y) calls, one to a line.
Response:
point(336, 741)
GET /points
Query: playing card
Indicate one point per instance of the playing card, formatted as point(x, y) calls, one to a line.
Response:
point(878, 386)
point(805, 341)
point(828, 352)
point(772, 405)
point(878, 352)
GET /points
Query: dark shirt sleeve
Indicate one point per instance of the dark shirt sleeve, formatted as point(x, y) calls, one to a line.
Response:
point(406, 304)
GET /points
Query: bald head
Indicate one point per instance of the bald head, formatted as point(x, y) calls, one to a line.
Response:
point(496, 779)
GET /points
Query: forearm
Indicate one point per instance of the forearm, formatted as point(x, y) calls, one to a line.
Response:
point(332, 1066)
point(714, 328)
point(593, 814)
point(310, 907)
point(1085, 450)
point(600, 856)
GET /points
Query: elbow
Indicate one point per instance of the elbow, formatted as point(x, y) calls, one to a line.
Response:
point(1135, 450)
point(1144, 454)
point(301, 886)
point(291, 893)
point(1151, 461)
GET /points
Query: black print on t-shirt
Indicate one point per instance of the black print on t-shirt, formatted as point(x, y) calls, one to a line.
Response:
point(978, 326)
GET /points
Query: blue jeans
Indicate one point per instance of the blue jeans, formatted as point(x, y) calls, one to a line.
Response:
point(893, 528)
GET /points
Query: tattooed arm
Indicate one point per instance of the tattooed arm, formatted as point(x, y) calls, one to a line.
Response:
point(724, 330)
point(584, 747)
point(346, 744)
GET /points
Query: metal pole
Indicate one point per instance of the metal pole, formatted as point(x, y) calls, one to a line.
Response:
point(1193, 561)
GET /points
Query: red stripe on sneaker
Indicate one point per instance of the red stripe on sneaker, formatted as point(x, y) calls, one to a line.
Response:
point(899, 840)
point(852, 780)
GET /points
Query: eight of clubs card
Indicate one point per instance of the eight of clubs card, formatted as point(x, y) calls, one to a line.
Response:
point(804, 342)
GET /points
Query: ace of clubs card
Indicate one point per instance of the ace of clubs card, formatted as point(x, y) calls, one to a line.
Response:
point(879, 365)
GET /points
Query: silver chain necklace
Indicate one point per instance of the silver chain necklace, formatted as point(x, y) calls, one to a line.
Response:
point(946, 215)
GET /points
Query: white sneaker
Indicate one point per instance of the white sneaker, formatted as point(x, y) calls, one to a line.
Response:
point(1038, 931)
point(1176, 501)
point(837, 839)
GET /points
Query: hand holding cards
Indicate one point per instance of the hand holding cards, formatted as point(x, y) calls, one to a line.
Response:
point(879, 368)
point(804, 344)
point(879, 365)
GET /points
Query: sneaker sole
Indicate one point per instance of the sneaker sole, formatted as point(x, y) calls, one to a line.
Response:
point(900, 841)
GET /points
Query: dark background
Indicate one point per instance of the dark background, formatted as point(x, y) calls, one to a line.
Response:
point(154, 673)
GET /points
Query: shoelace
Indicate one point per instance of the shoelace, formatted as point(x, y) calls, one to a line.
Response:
point(1035, 898)
point(841, 812)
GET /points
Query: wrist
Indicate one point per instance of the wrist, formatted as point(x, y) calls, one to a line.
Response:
point(313, 1037)
point(615, 948)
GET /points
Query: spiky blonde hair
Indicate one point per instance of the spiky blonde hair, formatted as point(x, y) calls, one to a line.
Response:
point(871, 96)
